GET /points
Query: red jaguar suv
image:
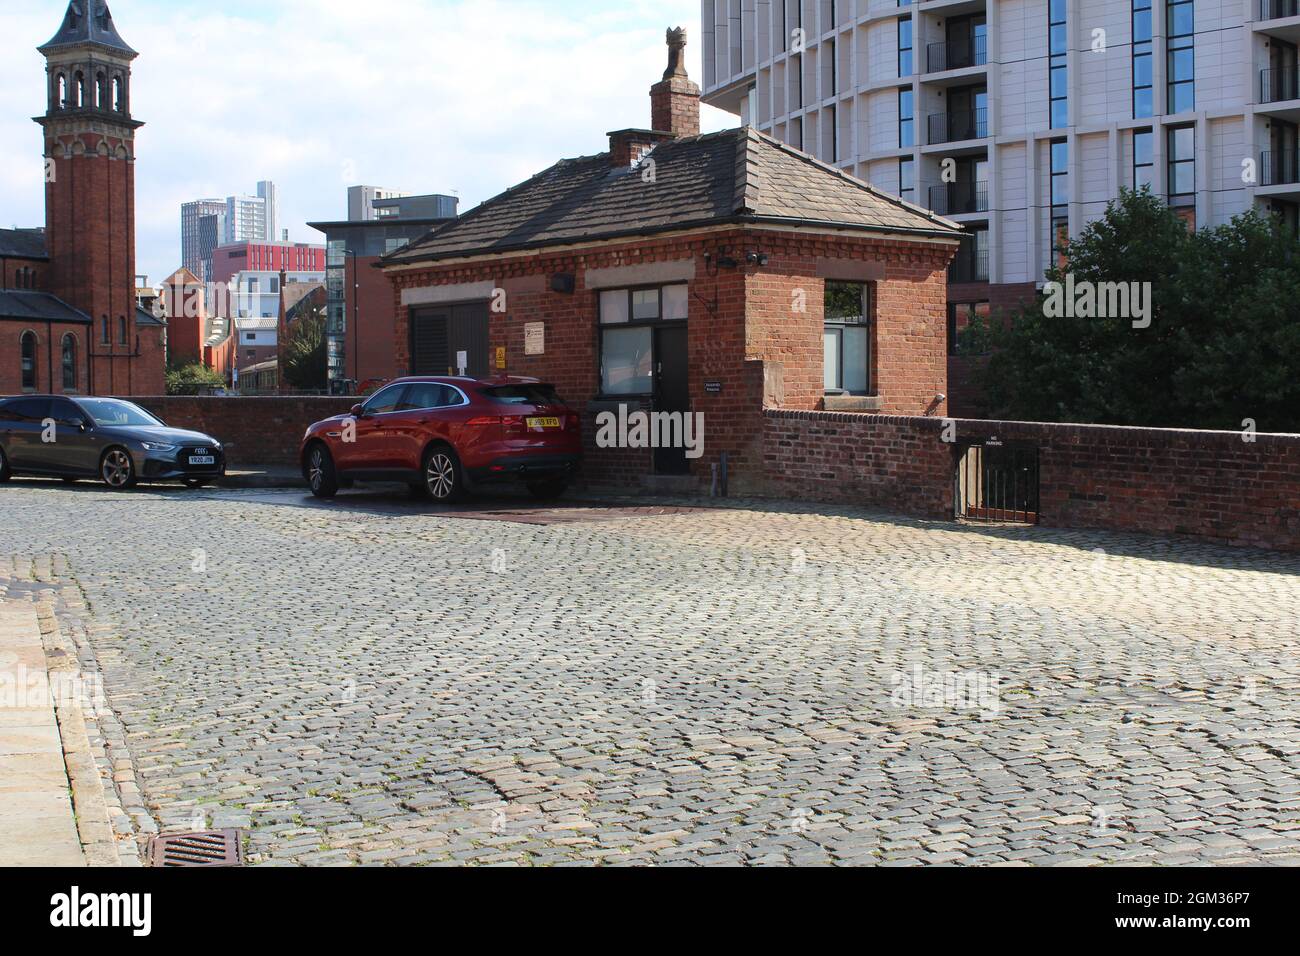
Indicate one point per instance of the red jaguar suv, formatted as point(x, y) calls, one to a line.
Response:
point(444, 436)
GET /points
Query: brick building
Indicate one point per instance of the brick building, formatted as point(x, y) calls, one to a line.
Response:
point(69, 319)
point(678, 272)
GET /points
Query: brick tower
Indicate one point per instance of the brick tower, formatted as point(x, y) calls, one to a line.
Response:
point(90, 189)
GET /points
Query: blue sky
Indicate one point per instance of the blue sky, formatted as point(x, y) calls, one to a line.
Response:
point(470, 96)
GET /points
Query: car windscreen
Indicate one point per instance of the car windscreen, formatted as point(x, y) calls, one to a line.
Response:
point(108, 412)
point(527, 394)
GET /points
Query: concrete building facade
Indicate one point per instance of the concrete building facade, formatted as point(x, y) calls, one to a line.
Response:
point(1022, 119)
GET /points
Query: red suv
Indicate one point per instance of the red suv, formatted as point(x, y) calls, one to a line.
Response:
point(444, 435)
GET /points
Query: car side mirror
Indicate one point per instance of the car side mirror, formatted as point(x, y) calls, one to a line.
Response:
point(358, 411)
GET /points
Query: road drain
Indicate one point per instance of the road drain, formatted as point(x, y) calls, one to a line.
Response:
point(213, 848)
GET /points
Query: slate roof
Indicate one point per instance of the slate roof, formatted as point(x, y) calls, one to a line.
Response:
point(22, 243)
point(88, 21)
point(145, 317)
point(25, 306)
point(735, 176)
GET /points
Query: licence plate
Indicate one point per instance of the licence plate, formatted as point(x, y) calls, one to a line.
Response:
point(543, 423)
point(202, 460)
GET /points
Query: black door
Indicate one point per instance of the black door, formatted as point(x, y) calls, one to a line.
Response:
point(440, 334)
point(672, 393)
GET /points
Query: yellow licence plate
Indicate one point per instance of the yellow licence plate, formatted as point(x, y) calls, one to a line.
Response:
point(543, 423)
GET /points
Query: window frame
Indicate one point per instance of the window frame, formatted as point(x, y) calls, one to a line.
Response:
point(1176, 43)
point(1143, 50)
point(1179, 199)
point(908, 142)
point(1151, 164)
point(68, 361)
point(910, 50)
point(868, 297)
point(1059, 213)
point(399, 387)
point(633, 323)
point(28, 339)
point(1058, 63)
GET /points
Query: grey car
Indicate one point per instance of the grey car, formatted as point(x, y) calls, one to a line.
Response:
point(57, 436)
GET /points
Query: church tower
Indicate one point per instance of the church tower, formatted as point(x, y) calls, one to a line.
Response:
point(90, 180)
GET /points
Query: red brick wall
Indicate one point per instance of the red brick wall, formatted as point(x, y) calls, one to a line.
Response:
point(12, 272)
point(256, 431)
point(370, 333)
point(47, 359)
point(742, 326)
point(1212, 485)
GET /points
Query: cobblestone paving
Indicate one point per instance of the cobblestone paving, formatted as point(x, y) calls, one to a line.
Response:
point(376, 682)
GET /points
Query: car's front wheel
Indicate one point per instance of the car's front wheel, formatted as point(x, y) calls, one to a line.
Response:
point(5, 473)
point(117, 470)
point(442, 475)
point(321, 474)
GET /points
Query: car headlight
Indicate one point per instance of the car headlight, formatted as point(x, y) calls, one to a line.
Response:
point(157, 446)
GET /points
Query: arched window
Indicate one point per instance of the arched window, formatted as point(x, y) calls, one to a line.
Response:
point(119, 95)
point(80, 91)
point(106, 336)
point(62, 101)
point(69, 363)
point(121, 330)
point(101, 92)
point(28, 350)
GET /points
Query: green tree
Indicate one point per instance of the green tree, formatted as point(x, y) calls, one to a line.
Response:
point(305, 360)
point(1223, 343)
point(191, 378)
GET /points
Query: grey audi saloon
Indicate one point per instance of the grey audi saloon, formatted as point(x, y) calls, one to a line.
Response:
point(57, 436)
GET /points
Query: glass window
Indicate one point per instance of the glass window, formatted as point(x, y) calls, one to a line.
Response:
point(28, 349)
point(907, 179)
point(1182, 165)
point(906, 119)
point(613, 307)
point(1057, 69)
point(385, 400)
point(121, 330)
point(645, 304)
point(1142, 27)
point(69, 363)
point(1143, 158)
point(676, 301)
point(109, 411)
point(905, 64)
point(625, 366)
point(1181, 65)
point(846, 338)
point(429, 395)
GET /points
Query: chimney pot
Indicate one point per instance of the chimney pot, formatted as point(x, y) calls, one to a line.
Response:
point(675, 100)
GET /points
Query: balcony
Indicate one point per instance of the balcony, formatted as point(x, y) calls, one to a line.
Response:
point(957, 54)
point(958, 126)
point(969, 267)
point(1279, 168)
point(956, 199)
point(1278, 86)
point(1277, 9)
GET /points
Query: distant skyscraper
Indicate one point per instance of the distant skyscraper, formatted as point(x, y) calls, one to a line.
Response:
point(245, 219)
point(192, 214)
point(266, 191)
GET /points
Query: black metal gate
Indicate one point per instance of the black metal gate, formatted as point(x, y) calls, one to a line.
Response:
point(997, 483)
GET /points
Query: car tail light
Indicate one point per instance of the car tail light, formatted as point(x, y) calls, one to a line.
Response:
point(511, 423)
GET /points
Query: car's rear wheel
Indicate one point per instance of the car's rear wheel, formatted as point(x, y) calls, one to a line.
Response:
point(321, 474)
point(117, 470)
point(549, 489)
point(442, 475)
point(5, 473)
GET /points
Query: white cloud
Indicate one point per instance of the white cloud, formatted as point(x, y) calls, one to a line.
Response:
point(419, 95)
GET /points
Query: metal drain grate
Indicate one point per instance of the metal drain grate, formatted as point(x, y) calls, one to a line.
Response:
point(213, 848)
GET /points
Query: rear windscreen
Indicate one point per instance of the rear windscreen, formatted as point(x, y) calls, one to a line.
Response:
point(524, 394)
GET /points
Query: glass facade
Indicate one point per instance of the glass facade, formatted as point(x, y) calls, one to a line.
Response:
point(1058, 70)
point(1143, 101)
point(1181, 70)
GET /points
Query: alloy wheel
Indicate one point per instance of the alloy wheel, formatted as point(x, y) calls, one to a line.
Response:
point(316, 469)
point(117, 468)
point(440, 476)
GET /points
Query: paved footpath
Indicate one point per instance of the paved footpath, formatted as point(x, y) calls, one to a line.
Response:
point(37, 824)
point(376, 681)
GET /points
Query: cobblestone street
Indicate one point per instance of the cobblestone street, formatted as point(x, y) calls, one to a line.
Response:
point(376, 681)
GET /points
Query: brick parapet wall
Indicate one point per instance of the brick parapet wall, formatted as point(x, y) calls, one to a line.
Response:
point(257, 431)
point(1211, 485)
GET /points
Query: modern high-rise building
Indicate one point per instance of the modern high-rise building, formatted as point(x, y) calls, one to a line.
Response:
point(266, 192)
point(193, 215)
point(1022, 119)
point(209, 223)
point(361, 201)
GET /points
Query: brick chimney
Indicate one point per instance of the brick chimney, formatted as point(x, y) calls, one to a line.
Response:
point(627, 146)
point(675, 101)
